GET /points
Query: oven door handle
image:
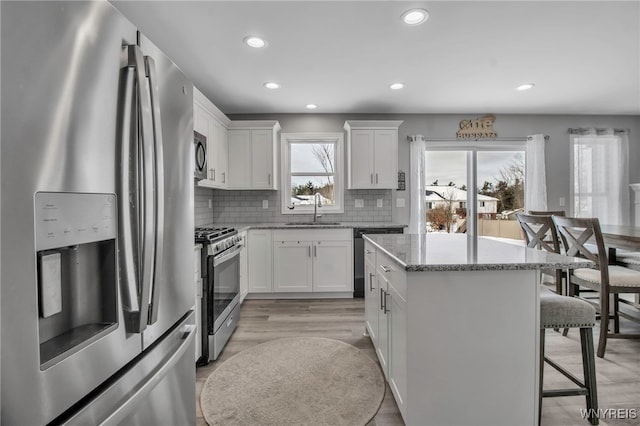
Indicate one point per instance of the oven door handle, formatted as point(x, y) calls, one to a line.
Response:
point(226, 256)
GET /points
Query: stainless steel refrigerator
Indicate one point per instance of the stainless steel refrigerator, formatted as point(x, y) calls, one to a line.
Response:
point(97, 319)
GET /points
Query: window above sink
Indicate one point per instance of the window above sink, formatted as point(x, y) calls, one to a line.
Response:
point(312, 163)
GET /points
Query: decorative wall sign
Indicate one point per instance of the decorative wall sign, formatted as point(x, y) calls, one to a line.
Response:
point(481, 127)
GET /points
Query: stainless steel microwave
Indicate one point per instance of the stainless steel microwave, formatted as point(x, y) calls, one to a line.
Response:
point(200, 145)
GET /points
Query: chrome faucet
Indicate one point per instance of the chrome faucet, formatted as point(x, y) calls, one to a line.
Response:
point(317, 202)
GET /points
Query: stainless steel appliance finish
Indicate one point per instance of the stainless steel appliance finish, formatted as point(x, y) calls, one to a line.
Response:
point(221, 288)
point(93, 108)
point(358, 253)
point(200, 155)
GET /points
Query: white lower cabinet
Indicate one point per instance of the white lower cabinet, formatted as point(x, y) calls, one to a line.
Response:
point(292, 266)
point(372, 302)
point(332, 265)
point(244, 266)
point(313, 260)
point(310, 261)
point(397, 338)
point(386, 319)
point(260, 260)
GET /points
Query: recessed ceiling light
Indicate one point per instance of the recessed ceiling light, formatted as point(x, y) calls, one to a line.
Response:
point(255, 42)
point(415, 16)
point(396, 86)
point(525, 86)
point(311, 106)
point(271, 85)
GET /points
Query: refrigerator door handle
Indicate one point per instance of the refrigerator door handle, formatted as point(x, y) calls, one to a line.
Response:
point(150, 67)
point(129, 279)
point(137, 321)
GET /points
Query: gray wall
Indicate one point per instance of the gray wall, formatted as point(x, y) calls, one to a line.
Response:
point(445, 125)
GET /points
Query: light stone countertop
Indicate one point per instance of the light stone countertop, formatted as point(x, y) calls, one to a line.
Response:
point(303, 225)
point(449, 252)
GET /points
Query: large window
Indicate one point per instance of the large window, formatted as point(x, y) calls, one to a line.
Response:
point(600, 176)
point(312, 172)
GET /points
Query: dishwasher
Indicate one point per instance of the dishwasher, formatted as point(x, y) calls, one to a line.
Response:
point(358, 253)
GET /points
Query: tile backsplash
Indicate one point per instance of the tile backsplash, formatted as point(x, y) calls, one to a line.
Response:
point(246, 207)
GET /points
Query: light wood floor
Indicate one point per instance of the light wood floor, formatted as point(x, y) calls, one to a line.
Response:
point(618, 374)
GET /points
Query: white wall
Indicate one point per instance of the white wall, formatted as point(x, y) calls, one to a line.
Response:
point(446, 125)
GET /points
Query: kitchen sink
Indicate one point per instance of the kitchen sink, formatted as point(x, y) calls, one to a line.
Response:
point(311, 223)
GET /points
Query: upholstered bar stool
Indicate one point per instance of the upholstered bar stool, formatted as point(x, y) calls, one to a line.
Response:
point(556, 312)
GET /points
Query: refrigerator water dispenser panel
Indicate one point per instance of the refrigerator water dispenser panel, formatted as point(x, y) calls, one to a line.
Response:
point(66, 219)
point(77, 286)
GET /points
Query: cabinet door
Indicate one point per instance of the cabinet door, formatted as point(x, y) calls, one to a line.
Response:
point(260, 261)
point(361, 154)
point(382, 348)
point(332, 266)
point(200, 122)
point(371, 300)
point(217, 153)
point(397, 346)
point(292, 266)
point(386, 159)
point(262, 159)
point(239, 159)
point(244, 267)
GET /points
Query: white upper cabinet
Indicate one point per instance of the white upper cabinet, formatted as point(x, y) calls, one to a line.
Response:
point(253, 154)
point(212, 123)
point(372, 148)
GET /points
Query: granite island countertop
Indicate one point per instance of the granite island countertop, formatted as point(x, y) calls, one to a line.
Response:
point(449, 252)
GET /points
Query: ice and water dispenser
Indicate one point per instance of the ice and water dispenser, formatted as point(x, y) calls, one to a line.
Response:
point(77, 277)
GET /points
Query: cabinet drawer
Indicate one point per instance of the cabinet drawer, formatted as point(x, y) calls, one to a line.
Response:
point(312, 234)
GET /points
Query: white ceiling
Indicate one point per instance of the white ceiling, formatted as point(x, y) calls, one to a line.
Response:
point(583, 56)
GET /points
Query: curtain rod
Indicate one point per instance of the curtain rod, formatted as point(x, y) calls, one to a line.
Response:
point(587, 130)
point(503, 139)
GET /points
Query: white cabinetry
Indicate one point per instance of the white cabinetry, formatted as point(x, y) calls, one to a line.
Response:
point(212, 123)
point(253, 154)
point(372, 148)
point(244, 266)
point(292, 266)
point(444, 370)
point(372, 301)
point(312, 261)
point(386, 318)
point(260, 261)
point(333, 264)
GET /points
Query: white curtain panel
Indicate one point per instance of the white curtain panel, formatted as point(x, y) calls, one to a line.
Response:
point(535, 193)
point(418, 215)
point(600, 176)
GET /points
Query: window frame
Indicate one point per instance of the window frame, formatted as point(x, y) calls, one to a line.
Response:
point(472, 149)
point(286, 139)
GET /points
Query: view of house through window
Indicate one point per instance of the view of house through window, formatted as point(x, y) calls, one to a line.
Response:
point(500, 191)
point(312, 172)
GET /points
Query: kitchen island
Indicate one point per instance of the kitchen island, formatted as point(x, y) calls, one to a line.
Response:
point(455, 325)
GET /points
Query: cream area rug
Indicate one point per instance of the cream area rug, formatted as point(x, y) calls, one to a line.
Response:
point(294, 381)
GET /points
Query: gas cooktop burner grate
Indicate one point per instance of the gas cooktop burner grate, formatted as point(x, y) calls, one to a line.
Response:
point(210, 233)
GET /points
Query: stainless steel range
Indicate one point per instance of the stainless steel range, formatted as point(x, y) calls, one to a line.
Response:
point(221, 288)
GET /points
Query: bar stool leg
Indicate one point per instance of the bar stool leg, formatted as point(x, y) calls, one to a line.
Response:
point(542, 332)
point(589, 369)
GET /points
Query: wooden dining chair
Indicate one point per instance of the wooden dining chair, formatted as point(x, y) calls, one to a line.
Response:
point(582, 237)
point(540, 232)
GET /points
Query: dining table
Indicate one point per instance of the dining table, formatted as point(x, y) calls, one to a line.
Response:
point(621, 237)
